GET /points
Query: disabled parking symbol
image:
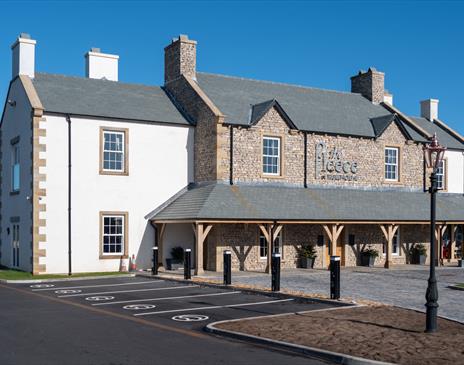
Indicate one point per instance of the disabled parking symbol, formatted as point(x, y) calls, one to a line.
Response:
point(42, 286)
point(190, 318)
point(139, 306)
point(68, 291)
point(99, 298)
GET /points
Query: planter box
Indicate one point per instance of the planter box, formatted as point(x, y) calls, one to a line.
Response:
point(306, 263)
point(172, 264)
point(367, 260)
point(419, 259)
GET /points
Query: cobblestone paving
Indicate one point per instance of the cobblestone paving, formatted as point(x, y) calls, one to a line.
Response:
point(403, 286)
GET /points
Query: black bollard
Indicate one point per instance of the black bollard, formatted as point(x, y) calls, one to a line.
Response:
point(187, 267)
point(227, 267)
point(154, 268)
point(275, 270)
point(334, 277)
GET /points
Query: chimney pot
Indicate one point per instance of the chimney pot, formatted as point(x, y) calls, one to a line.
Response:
point(370, 84)
point(429, 109)
point(100, 65)
point(23, 56)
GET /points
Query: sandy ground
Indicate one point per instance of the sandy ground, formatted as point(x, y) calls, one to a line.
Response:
point(381, 333)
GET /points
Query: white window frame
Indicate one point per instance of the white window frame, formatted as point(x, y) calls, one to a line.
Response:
point(263, 245)
point(122, 235)
point(122, 152)
point(441, 175)
point(278, 156)
point(15, 164)
point(396, 165)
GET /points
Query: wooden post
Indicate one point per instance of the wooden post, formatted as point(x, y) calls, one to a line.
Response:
point(389, 232)
point(333, 232)
point(266, 231)
point(201, 232)
point(440, 230)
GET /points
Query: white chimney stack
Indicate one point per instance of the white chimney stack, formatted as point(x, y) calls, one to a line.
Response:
point(388, 98)
point(429, 109)
point(23, 56)
point(101, 65)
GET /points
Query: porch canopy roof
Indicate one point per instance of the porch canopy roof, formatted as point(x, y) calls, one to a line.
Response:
point(261, 203)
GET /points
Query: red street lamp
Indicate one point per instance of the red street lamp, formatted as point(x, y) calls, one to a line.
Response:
point(433, 155)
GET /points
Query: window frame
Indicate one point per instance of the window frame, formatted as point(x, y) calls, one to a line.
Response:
point(15, 160)
point(279, 173)
point(397, 236)
point(444, 175)
point(125, 163)
point(398, 164)
point(112, 255)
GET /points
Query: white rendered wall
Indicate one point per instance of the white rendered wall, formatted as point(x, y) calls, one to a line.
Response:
point(455, 170)
point(160, 164)
point(17, 122)
point(177, 235)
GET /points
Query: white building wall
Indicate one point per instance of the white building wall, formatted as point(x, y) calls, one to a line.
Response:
point(160, 164)
point(17, 121)
point(455, 170)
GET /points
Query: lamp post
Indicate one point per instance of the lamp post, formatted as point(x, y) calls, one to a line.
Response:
point(433, 155)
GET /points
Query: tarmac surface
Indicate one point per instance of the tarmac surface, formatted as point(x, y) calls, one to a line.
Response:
point(133, 321)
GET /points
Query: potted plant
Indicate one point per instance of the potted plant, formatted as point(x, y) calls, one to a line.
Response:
point(307, 254)
point(368, 256)
point(177, 259)
point(418, 254)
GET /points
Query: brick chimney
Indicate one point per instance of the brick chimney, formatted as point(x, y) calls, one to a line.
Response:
point(370, 84)
point(23, 62)
point(180, 58)
point(429, 109)
point(100, 65)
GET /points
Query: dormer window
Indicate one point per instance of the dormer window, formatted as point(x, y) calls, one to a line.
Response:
point(271, 156)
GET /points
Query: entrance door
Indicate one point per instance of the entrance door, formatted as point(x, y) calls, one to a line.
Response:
point(15, 245)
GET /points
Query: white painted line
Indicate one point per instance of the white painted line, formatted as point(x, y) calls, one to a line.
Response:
point(42, 286)
point(99, 298)
point(127, 291)
point(101, 285)
point(71, 291)
point(214, 307)
point(168, 298)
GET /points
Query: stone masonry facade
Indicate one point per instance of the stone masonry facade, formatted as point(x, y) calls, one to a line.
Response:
point(332, 160)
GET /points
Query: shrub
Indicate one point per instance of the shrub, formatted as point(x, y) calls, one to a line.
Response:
point(419, 250)
point(369, 251)
point(177, 253)
point(307, 252)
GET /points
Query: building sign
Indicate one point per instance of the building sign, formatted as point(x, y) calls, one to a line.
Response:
point(330, 164)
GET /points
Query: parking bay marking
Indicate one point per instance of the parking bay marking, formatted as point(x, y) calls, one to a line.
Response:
point(100, 285)
point(127, 291)
point(168, 298)
point(214, 307)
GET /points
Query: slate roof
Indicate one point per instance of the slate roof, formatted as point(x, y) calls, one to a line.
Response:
point(445, 138)
point(310, 109)
point(111, 99)
point(241, 202)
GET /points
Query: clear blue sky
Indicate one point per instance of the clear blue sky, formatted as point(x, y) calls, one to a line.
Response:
point(418, 44)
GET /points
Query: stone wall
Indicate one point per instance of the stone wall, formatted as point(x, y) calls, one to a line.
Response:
point(207, 123)
point(243, 241)
point(366, 154)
